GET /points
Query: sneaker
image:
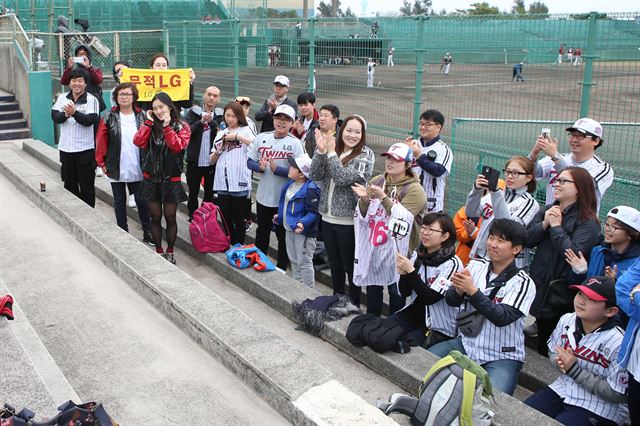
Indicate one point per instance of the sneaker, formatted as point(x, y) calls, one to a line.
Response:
point(99, 172)
point(131, 201)
point(148, 238)
point(169, 257)
point(247, 225)
point(532, 330)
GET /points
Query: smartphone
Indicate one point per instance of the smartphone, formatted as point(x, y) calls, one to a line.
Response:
point(78, 59)
point(492, 176)
point(398, 228)
point(546, 133)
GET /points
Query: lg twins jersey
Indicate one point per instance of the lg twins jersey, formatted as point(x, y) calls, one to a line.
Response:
point(434, 186)
point(495, 343)
point(596, 352)
point(375, 253)
point(440, 316)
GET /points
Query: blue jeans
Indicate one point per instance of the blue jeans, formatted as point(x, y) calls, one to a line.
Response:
point(550, 403)
point(119, 190)
point(503, 373)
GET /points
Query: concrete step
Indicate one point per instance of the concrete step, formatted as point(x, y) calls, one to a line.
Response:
point(406, 370)
point(10, 115)
point(6, 97)
point(13, 124)
point(288, 379)
point(536, 372)
point(9, 106)
point(9, 134)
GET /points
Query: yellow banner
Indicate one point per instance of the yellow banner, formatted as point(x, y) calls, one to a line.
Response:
point(175, 83)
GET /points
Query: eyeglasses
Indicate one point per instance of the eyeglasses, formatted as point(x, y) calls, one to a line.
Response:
point(124, 95)
point(562, 181)
point(428, 230)
point(576, 135)
point(428, 124)
point(608, 226)
point(514, 173)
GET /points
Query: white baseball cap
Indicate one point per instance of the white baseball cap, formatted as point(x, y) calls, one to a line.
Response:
point(399, 151)
point(281, 79)
point(286, 110)
point(627, 215)
point(587, 126)
point(302, 163)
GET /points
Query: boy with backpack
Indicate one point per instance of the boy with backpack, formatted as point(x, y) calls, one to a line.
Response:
point(298, 213)
point(584, 347)
point(495, 297)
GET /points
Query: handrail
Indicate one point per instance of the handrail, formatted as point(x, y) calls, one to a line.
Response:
point(19, 36)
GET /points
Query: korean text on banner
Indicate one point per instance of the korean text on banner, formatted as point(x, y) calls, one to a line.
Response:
point(174, 82)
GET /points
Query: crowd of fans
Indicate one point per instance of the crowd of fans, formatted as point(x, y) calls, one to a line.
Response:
point(466, 283)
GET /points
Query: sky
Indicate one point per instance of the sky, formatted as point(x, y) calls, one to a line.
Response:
point(555, 6)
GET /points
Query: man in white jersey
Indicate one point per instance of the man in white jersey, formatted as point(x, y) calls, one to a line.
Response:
point(268, 157)
point(585, 136)
point(501, 294)
point(584, 347)
point(433, 158)
point(77, 112)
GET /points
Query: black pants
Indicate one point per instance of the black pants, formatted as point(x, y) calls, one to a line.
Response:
point(545, 328)
point(78, 173)
point(233, 210)
point(374, 299)
point(120, 205)
point(263, 234)
point(195, 175)
point(634, 397)
point(340, 243)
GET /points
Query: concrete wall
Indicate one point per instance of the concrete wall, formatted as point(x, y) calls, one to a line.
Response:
point(14, 78)
point(32, 92)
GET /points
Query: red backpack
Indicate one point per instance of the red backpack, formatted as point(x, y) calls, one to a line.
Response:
point(208, 229)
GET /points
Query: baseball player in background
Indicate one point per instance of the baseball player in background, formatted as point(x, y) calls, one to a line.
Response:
point(584, 348)
point(371, 70)
point(502, 294)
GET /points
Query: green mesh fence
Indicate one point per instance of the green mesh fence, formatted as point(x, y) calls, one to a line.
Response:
point(489, 116)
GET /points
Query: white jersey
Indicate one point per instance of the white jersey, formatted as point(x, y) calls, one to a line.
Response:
point(434, 186)
point(496, 343)
point(597, 353)
point(232, 174)
point(374, 260)
point(440, 317)
point(601, 172)
point(267, 146)
point(76, 137)
point(517, 205)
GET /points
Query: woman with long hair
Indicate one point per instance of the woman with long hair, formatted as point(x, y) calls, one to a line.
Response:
point(386, 223)
point(159, 61)
point(119, 158)
point(427, 318)
point(232, 181)
point(571, 222)
point(164, 136)
point(516, 202)
point(337, 165)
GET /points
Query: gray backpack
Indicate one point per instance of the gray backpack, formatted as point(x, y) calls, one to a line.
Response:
point(455, 391)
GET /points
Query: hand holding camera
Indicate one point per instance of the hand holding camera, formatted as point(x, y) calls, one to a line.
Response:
point(488, 178)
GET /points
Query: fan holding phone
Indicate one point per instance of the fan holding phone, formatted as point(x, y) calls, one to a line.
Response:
point(516, 202)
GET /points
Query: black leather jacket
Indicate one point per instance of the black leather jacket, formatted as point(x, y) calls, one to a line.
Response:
point(108, 141)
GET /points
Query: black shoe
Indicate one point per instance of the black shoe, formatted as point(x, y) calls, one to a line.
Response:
point(169, 257)
point(148, 238)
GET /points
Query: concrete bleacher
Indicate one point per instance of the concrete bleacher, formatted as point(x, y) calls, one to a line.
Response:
point(405, 370)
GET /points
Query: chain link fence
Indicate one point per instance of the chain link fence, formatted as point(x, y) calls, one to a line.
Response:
point(490, 115)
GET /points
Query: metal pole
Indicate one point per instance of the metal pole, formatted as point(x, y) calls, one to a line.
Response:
point(417, 102)
point(235, 28)
point(312, 54)
point(165, 38)
point(184, 44)
point(590, 55)
point(116, 46)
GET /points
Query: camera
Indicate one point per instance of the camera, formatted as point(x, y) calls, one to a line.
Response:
point(546, 133)
point(83, 23)
point(78, 59)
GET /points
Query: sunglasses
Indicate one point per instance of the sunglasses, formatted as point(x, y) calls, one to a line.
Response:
point(241, 99)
